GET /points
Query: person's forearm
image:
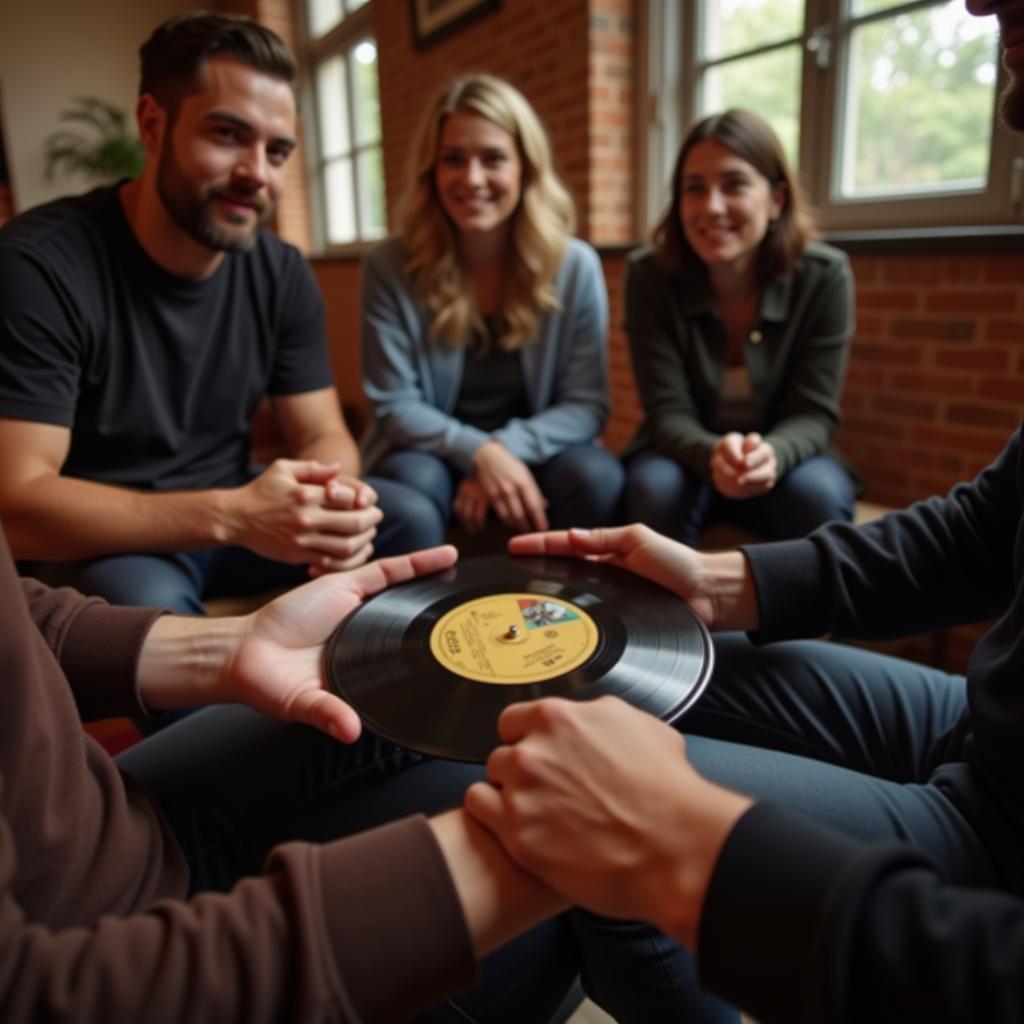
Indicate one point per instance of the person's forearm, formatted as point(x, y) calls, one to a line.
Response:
point(184, 660)
point(332, 447)
point(703, 822)
point(726, 581)
point(57, 517)
point(499, 899)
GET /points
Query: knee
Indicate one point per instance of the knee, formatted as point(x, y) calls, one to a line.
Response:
point(653, 486)
point(586, 483)
point(421, 472)
point(412, 520)
point(818, 491)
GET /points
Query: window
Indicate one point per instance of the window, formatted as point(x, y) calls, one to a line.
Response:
point(887, 108)
point(348, 164)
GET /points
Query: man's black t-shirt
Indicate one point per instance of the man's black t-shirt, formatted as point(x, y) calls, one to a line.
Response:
point(156, 375)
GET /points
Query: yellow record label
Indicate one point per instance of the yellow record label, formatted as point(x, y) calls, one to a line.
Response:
point(514, 638)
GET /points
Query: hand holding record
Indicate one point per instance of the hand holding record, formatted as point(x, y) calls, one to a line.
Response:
point(431, 664)
point(717, 585)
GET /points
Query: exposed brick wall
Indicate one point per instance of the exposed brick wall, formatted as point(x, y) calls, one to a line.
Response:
point(935, 384)
point(610, 213)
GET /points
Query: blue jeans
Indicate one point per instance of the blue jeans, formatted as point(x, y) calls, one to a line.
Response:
point(857, 740)
point(583, 485)
point(181, 581)
point(234, 783)
point(671, 500)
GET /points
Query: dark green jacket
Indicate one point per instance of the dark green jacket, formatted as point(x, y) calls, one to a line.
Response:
point(796, 355)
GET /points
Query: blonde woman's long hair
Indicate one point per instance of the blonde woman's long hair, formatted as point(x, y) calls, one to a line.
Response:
point(542, 223)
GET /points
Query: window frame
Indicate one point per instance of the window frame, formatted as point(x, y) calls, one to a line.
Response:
point(340, 40)
point(669, 76)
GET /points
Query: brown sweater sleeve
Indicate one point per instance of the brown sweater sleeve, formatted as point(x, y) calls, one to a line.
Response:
point(365, 929)
point(97, 645)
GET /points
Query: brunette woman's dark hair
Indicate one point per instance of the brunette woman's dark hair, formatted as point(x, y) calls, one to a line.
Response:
point(751, 138)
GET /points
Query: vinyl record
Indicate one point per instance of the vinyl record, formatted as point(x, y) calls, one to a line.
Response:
point(431, 663)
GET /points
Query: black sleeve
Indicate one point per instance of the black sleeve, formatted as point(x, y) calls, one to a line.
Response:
point(942, 562)
point(301, 362)
point(803, 925)
point(42, 331)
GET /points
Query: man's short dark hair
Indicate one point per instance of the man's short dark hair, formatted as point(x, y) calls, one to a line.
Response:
point(174, 55)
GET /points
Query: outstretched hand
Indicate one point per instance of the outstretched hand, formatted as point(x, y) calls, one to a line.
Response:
point(637, 548)
point(278, 665)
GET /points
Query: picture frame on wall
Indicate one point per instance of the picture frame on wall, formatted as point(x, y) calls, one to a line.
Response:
point(433, 20)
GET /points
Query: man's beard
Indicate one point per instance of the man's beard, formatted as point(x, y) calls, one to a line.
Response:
point(1011, 102)
point(192, 210)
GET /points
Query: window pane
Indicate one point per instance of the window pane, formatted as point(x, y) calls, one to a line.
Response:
point(372, 218)
point(919, 96)
point(768, 84)
point(367, 101)
point(735, 26)
point(339, 198)
point(323, 16)
point(858, 8)
point(332, 105)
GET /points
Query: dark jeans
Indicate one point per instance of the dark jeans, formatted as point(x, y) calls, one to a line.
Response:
point(671, 500)
point(854, 739)
point(181, 581)
point(234, 783)
point(583, 485)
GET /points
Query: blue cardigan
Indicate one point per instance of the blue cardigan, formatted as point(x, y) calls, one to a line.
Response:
point(412, 383)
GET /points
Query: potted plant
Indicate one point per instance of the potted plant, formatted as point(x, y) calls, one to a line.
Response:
point(107, 150)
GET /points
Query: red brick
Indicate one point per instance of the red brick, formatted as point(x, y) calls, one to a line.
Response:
point(877, 299)
point(886, 354)
point(865, 269)
point(933, 383)
point(1005, 271)
point(1005, 330)
point(963, 271)
point(1002, 389)
point(911, 271)
point(957, 440)
point(973, 358)
point(862, 427)
point(934, 330)
point(863, 377)
point(982, 416)
point(970, 302)
point(868, 324)
point(905, 407)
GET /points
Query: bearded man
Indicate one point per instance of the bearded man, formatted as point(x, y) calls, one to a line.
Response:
point(142, 326)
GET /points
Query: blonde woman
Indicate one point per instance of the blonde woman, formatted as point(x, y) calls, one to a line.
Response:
point(484, 328)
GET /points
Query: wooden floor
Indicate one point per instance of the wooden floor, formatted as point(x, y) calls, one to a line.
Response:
point(589, 1013)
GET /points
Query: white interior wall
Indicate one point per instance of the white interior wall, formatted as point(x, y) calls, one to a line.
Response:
point(54, 50)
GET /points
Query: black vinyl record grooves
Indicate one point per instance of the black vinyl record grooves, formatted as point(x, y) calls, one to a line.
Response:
point(430, 664)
